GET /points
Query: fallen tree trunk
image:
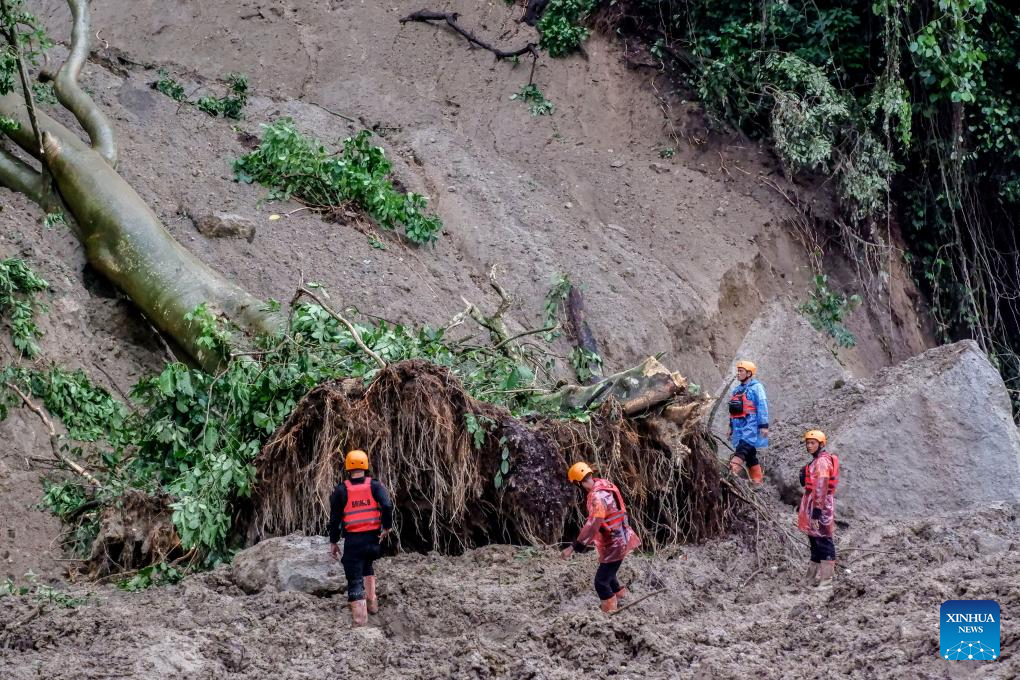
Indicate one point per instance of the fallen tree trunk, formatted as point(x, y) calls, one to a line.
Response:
point(637, 389)
point(123, 237)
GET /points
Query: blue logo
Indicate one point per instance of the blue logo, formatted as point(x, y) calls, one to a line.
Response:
point(969, 630)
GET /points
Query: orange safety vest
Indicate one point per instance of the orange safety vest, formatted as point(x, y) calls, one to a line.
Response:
point(362, 512)
point(809, 480)
point(741, 406)
point(613, 520)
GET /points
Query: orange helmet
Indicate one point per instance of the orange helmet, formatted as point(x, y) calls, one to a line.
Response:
point(578, 471)
point(748, 366)
point(817, 435)
point(356, 460)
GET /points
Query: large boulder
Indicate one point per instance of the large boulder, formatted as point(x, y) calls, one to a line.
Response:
point(934, 434)
point(296, 562)
point(795, 363)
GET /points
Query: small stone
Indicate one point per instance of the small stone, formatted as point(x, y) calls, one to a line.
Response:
point(225, 225)
point(617, 164)
point(659, 167)
point(568, 205)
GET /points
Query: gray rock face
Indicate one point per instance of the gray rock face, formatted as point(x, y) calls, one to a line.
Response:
point(934, 434)
point(225, 225)
point(295, 563)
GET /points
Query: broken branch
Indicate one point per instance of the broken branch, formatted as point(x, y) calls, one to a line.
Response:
point(354, 331)
point(54, 439)
point(427, 16)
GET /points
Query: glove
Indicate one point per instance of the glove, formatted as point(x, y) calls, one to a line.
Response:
point(816, 514)
point(803, 477)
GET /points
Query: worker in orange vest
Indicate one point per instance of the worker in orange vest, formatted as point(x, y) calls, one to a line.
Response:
point(361, 511)
point(608, 528)
point(816, 516)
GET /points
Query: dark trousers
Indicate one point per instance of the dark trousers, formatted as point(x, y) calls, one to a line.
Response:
point(360, 554)
point(746, 453)
point(606, 584)
point(822, 549)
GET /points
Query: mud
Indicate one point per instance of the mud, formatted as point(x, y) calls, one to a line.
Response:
point(508, 612)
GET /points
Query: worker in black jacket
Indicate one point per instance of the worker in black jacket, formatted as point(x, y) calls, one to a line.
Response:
point(361, 511)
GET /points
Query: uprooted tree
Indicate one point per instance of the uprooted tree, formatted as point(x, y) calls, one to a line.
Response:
point(473, 438)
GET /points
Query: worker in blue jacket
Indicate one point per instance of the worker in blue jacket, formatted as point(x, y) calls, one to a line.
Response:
point(749, 422)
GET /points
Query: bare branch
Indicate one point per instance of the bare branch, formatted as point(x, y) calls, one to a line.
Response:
point(428, 16)
point(54, 439)
point(354, 331)
point(73, 98)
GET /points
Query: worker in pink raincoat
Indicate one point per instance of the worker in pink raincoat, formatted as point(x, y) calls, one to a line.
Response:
point(608, 528)
point(817, 514)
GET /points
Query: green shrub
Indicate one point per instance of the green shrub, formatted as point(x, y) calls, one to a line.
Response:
point(826, 310)
point(294, 166)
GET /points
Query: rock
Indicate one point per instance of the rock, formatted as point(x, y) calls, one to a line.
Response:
point(617, 164)
point(659, 167)
point(932, 435)
point(295, 563)
point(991, 544)
point(220, 225)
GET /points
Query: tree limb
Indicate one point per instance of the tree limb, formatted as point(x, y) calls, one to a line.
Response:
point(73, 98)
point(54, 439)
point(427, 16)
point(354, 331)
point(19, 176)
point(639, 600)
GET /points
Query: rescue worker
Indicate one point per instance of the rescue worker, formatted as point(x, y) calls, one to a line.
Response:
point(608, 528)
point(749, 422)
point(817, 513)
point(360, 510)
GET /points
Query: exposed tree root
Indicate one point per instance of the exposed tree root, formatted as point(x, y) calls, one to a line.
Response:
point(412, 420)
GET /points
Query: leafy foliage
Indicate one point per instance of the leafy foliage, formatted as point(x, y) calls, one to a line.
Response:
point(295, 166)
point(536, 101)
point(230, 105)
point(826, 310)
point(560, 25)
point(19, 286)
point(44, 94)
point(194, 435)
point(23, 30)
point(911, 106)
point(161, 574)
point(40, 592)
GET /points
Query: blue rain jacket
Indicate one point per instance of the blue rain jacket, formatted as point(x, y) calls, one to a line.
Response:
point(746, 428)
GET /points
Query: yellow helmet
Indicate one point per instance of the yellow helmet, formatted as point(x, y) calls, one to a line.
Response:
point(356, 460)
point(578, 471)
point(817, 435)
point(748, 366)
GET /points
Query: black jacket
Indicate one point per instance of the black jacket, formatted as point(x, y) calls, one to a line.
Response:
point(338, 501)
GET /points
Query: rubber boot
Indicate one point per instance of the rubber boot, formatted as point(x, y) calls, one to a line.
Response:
point(359, 613)
point(621, 593)
point(811, 577)
point(755, 473)
point(736, 465)
point(826, 572)
point(370, 596)
point(608, 606)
